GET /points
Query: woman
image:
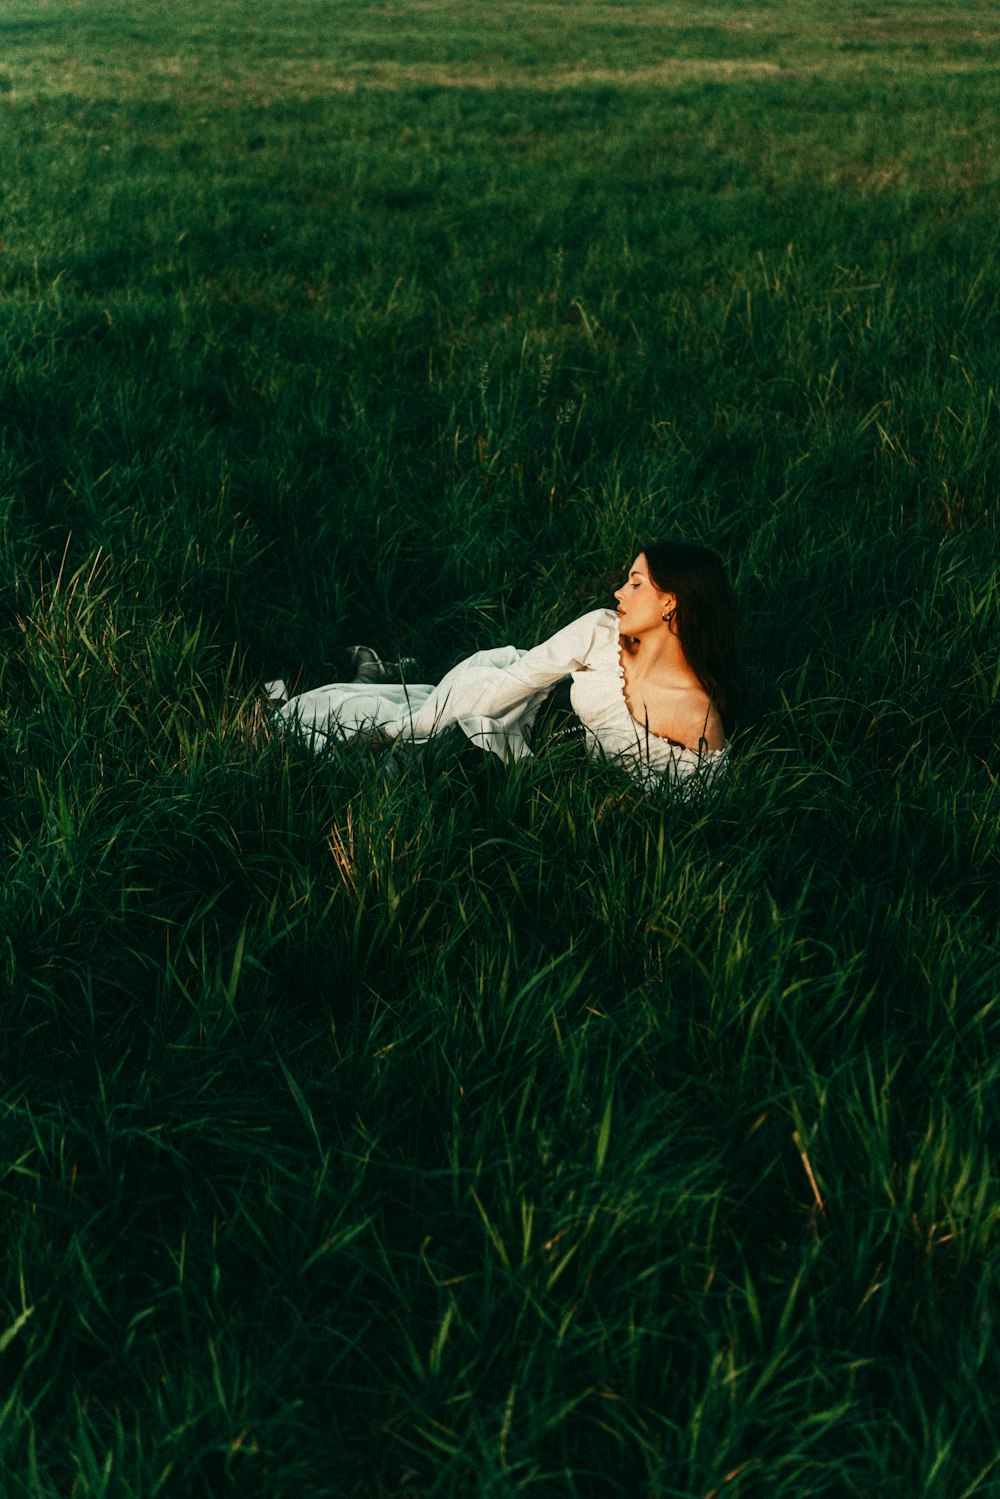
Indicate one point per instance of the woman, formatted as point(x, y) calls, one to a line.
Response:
point(651, 683)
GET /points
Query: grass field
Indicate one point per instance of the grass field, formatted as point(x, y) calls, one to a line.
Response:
point(478, 1131)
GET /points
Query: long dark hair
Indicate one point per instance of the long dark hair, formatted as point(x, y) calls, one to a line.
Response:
point(705, 620)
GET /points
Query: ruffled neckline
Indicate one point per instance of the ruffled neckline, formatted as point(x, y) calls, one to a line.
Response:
point(663, 738)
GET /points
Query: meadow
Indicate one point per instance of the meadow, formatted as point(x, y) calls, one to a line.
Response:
point(469, 1130)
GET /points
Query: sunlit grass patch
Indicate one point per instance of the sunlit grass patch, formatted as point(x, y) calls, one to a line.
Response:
point(225, 59)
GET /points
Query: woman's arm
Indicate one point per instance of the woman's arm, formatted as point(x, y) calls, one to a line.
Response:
point(492, 683)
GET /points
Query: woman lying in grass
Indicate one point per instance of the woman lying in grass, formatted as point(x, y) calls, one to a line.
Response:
point(649, 685)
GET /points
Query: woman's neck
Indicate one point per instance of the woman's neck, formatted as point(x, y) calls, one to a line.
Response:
point(661, 655)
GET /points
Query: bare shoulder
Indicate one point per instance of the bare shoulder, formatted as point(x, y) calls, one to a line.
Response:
point(700, 721)
point(680, 711)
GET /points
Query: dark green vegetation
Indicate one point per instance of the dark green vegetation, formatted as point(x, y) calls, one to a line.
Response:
point(477, 1132)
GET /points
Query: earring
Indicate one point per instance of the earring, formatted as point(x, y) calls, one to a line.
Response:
point(668, 616)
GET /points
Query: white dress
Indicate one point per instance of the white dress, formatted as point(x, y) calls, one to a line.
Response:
point(494, 696)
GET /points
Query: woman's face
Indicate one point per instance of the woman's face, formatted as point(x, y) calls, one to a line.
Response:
point(641, 605)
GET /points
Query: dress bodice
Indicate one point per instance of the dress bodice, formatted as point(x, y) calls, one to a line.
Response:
point(598, 697)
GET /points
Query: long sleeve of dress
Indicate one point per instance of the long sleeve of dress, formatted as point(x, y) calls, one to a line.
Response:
point(492, 694)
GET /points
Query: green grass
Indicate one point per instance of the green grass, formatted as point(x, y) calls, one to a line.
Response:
point(476, 1131)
